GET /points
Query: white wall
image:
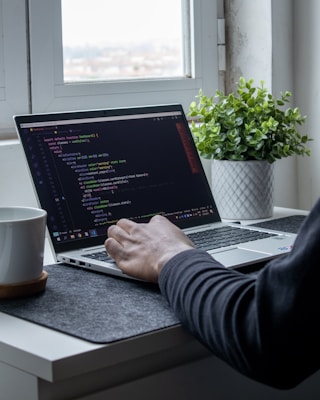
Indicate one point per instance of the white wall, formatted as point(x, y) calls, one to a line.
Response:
point(286, 182)
point(286, 57)
point(249, 46)
point(296, 57)
point(259, 47)
point(306, 63)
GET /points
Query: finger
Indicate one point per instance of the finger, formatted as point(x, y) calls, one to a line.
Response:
point(126, 224)
point(116, 232)
point(159, 218)
point(113, 247)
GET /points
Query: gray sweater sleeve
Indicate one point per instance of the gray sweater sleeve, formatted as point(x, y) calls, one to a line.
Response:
point(265, 327)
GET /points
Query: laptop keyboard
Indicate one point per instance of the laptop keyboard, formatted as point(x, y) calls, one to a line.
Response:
point(208, 239)
point(101, 256)
point(225, 236)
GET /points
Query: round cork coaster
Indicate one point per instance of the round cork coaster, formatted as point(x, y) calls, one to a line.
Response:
point(10, 291)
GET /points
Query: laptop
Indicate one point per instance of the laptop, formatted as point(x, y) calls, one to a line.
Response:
point(91, 168)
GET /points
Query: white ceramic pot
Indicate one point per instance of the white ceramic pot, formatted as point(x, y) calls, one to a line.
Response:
point(243, 189)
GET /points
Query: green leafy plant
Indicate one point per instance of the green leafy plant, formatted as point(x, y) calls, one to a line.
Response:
point(248, 125)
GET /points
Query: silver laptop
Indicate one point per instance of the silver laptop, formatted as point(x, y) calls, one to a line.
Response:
point(91, 168)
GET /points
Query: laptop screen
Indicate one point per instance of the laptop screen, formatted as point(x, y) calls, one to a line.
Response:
point(91, 168)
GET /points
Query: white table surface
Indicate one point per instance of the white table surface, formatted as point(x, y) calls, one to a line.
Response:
point(21, 338)
point(54, 357)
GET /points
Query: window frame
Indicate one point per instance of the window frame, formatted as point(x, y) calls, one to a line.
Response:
point(31, 77)
point(50, 93)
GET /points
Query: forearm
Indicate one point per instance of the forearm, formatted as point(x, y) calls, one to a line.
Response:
point(217, 305)
point(251, 324)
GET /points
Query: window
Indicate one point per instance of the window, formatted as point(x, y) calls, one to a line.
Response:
point(33, 58)
point(51, 91)
point(146, 41)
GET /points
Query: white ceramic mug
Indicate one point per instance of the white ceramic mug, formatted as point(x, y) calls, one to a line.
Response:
point(22, 236)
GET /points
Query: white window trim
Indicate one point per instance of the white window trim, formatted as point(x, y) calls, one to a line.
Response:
point(49, 93)
point(14, 95)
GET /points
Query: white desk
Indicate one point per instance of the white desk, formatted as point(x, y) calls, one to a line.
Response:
point(278, 212)
point(39, 363)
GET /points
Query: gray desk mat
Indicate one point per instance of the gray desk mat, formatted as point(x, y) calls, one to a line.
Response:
point(104, 309)
point(290, 224)
point(92, 306)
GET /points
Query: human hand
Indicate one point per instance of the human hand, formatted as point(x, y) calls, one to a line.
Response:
point(141, 250)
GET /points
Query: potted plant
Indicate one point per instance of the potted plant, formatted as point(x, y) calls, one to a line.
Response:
point(245, 133)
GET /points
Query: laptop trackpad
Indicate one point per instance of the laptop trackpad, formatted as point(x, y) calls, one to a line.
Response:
point(238, 257)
